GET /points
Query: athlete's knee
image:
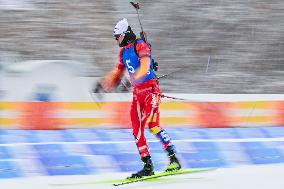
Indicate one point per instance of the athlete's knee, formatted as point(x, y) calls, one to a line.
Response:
point(155, 129)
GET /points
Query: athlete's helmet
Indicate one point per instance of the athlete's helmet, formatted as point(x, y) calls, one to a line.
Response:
point(123, 28)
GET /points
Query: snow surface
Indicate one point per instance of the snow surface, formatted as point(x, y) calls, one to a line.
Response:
point(241, 177)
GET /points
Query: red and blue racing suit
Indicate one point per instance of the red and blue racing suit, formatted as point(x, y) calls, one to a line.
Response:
point(146, 97)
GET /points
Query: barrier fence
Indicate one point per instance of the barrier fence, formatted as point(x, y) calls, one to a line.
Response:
point(60, 115)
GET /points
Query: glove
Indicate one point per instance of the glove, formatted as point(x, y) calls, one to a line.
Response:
point(98, 88)
point(96, 94)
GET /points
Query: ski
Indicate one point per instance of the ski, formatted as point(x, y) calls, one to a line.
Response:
point(163, 174)
point(157, 177)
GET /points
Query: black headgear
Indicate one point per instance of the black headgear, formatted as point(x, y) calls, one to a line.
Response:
point(129, 37)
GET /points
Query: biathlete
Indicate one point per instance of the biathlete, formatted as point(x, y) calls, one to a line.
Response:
point(135, 57)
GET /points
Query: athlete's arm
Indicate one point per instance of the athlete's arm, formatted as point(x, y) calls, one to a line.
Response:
point(112, 79)
point(144, 54)
point(143, 69)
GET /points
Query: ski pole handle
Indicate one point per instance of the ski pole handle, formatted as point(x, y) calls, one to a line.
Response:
point(135, 5)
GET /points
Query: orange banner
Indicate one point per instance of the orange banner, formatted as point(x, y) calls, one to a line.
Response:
point(59, 115)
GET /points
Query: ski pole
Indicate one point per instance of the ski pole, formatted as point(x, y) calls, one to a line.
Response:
point(137, 7)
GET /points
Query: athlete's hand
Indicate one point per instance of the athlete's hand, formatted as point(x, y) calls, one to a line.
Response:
point(98, 88)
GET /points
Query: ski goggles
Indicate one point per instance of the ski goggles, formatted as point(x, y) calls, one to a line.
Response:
point(116, 36)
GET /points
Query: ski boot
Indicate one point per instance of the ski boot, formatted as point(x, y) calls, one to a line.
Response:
point(147, 170)
point(174, 162)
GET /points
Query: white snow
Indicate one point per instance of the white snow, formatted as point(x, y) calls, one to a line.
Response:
point(241, 177)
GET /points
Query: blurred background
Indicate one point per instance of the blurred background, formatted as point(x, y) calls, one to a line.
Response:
point(242, 40)
point(226, 57)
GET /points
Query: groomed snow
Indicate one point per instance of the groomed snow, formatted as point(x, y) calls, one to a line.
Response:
point(242, 177)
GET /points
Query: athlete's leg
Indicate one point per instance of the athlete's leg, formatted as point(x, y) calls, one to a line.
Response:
point(152, 121)
point(152, 103)
point(138, 128)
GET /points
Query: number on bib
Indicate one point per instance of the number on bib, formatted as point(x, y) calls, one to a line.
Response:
point(129, 67)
